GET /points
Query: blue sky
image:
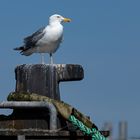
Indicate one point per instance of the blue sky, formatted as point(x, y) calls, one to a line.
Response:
point(103, 37)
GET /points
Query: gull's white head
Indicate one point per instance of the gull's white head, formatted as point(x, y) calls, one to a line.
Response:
point(58, 19)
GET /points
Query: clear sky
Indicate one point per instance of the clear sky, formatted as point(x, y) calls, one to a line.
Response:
point(103, 37)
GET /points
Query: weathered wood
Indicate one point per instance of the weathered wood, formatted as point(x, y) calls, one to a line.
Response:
point(44, 79)
point(42, 132)
point(33, 134)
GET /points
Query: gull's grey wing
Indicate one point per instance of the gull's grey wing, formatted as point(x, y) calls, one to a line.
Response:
point(30, 41)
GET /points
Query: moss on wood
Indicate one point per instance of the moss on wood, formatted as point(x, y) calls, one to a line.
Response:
point(63, 108)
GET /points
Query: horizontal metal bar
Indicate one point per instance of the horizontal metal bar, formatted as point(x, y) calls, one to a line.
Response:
point(34, 104)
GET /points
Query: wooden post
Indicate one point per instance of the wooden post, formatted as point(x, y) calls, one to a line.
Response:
point(41, 79)
point(44, 79)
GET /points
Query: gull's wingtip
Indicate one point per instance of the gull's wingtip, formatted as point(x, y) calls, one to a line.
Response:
point(18, 48)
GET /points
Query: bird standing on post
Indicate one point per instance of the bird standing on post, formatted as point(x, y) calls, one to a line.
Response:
point(46, 39)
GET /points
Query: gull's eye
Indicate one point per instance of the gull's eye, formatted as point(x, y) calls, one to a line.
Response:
point(58, 16)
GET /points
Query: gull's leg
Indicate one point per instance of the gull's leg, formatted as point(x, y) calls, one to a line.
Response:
point(51, 59)
point(42, 58)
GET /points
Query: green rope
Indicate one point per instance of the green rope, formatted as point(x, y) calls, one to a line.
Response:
point(95, 134)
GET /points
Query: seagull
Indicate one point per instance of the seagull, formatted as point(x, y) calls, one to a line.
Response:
point(46, 39)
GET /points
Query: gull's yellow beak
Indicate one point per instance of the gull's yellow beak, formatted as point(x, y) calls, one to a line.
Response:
point(67, 20)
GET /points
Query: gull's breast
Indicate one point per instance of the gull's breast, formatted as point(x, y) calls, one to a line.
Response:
point(51, 40)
